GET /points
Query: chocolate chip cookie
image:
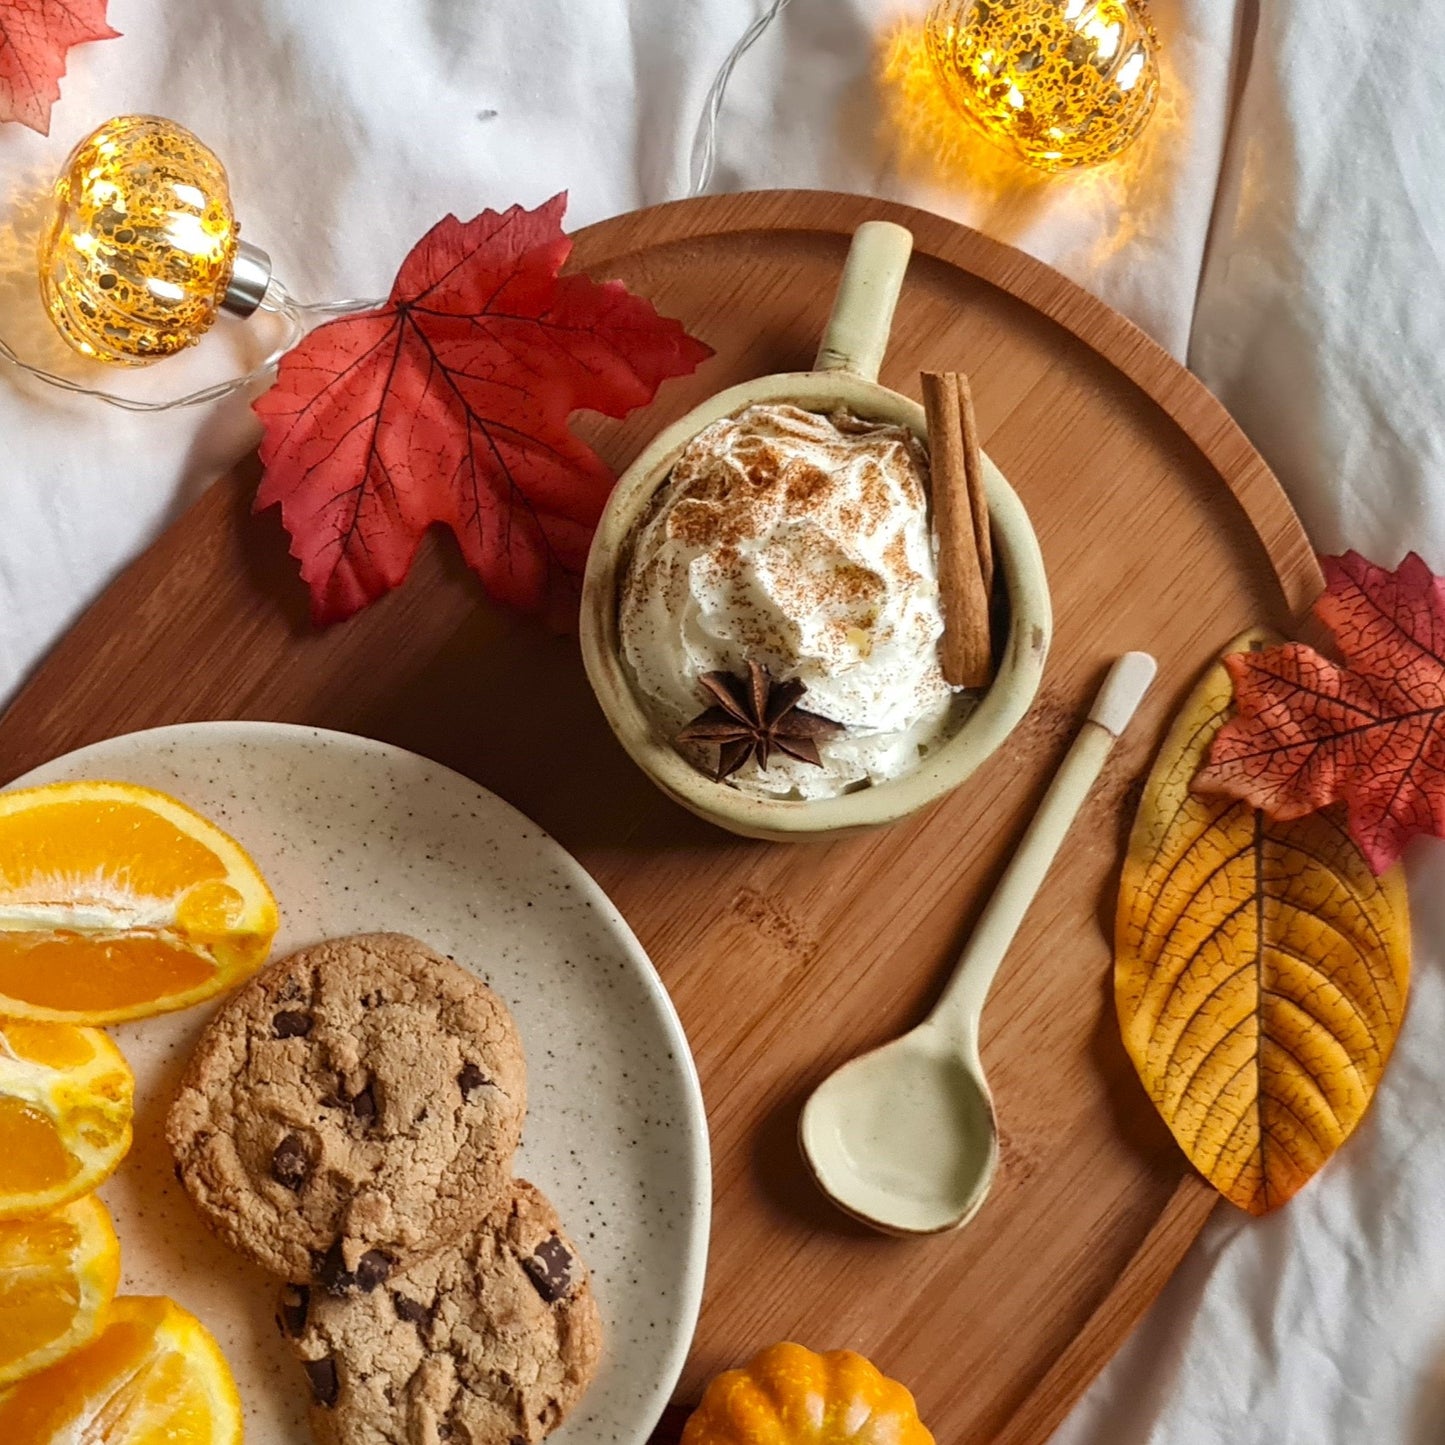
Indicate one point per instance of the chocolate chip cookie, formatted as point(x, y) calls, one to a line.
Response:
point(351, 1108)
point(489, 1342)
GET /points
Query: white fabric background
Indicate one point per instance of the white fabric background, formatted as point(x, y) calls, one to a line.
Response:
point(1282, 229)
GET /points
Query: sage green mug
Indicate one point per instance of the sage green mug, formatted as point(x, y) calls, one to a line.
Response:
point(845, 376)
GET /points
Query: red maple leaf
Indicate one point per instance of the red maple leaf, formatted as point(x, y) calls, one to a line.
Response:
point(450, 404)
point(1370, 734)
point(34, 36)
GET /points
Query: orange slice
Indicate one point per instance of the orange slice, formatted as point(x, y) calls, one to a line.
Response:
point(117, 902)
point(65, 1110)
point(58, 1275)
point(154, 1376)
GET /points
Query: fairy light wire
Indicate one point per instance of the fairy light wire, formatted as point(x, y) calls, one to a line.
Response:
point(300, 317)
point(704, 148)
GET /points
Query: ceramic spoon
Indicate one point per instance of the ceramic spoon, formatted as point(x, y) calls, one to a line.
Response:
point(904, 1137)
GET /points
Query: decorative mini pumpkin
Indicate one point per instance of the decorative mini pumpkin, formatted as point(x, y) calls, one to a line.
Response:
point(790, 1396)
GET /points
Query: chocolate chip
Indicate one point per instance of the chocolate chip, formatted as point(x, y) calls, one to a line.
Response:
point(292, 1312)
point(332, 1273)
point(411, 1311)
point(550, 1270)
point(291, 1023)
point(324, 1385)
point(373, 1000)
point(290, 1165)
point(471, 1079)
point(363, 1105)
point(371, 1269)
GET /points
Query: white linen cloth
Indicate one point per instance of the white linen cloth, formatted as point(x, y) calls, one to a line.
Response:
point(1281, 228)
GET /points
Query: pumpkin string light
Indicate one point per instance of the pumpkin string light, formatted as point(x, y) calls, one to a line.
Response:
point(142, 252)
point(1060, 83)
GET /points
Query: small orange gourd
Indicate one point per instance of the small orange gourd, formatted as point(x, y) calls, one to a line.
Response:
point(791, 1396)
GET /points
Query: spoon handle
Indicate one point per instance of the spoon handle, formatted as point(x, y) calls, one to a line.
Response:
point(961, 1007)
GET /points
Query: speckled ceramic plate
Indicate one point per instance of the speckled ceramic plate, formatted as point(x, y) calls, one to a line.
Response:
point(354, 835)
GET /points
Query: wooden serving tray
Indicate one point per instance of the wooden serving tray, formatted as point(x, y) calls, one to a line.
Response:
point(1161, 529)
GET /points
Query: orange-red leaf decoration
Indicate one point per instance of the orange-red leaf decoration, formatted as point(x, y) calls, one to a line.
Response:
point(1261, 971)
point(1370, 734)
point(451, 404)
point(34, 38)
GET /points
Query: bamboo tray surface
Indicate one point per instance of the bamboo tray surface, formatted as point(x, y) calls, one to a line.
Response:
point(1161, 529)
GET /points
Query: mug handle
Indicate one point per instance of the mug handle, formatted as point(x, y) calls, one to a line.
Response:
point(857, 332)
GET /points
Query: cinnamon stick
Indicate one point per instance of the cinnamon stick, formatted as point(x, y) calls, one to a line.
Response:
point(960, 519)
point(977, 495)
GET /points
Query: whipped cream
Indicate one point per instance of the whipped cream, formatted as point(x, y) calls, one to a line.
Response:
point(802, 541)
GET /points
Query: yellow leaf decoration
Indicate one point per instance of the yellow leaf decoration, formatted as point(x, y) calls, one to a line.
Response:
point(1260, 970)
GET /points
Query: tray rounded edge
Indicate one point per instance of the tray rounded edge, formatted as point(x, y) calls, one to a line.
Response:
point(1180, 395)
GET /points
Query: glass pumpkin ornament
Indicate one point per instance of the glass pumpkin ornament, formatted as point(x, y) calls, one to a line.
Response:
point(1061, 83)
point(143, 248)
point(791, 1396)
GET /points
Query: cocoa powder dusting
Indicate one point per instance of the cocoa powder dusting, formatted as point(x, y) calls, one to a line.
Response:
point(800, 540)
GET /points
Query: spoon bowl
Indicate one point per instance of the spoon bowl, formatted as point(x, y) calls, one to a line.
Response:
point(905, 1134)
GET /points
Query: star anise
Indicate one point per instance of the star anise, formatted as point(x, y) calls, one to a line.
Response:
point(756, 716)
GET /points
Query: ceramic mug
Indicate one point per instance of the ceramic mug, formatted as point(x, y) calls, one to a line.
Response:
point(845, 376)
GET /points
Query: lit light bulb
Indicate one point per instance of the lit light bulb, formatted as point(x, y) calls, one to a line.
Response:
point(143, 248)
point(1061, 83)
